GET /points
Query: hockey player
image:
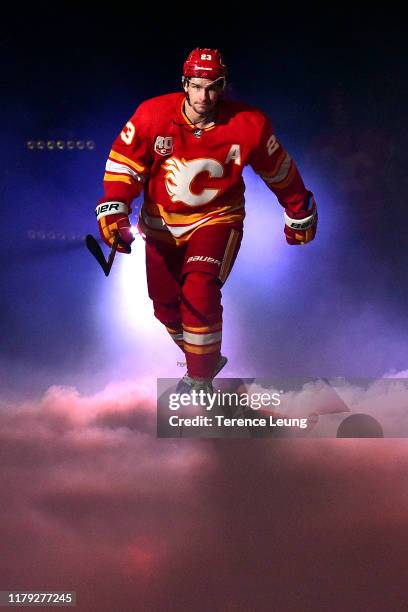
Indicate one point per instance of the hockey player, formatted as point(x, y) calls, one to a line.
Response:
point(187, 152)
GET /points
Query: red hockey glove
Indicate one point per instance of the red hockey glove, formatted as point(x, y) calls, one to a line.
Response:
point(113, 217)
point(300, 227)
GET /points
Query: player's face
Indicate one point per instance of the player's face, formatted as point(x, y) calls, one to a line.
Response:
point(203, 94)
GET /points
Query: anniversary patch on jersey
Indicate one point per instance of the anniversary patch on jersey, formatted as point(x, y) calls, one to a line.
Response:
point(164, 145)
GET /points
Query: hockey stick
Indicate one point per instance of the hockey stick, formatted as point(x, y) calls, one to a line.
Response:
point(94, 248)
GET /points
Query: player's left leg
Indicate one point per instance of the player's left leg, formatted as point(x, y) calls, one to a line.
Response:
point(209, 257)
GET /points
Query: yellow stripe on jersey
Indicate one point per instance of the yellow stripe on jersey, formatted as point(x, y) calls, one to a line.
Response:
point(122, 158)
point(163, 235)
point(283, 184)
point(210, 328)
point(275, 170)
point(121, 178)
point(202, 350)
point(228, 255)
point(281, 174)
point(232, 218)
point(187, 218)
point(171, 330)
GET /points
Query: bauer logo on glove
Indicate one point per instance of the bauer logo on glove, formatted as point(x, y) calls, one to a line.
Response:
point(113, 218)
point(300, 226)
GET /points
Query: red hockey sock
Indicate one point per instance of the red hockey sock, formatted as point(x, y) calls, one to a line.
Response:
point(201, 313)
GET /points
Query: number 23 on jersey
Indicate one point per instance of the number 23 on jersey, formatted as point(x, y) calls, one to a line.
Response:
point(128, 133)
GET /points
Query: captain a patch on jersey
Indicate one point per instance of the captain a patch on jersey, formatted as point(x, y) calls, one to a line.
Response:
point(164, 145)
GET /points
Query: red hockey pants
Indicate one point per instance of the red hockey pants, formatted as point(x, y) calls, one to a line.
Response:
point(185, 283)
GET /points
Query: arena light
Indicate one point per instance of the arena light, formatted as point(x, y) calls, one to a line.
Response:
point(136, 306)
point(137, 335)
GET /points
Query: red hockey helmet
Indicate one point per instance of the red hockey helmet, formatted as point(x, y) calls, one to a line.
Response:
point(205, 64)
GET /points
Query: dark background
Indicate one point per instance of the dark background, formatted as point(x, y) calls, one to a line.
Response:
point(244, 524)
point(333, 83)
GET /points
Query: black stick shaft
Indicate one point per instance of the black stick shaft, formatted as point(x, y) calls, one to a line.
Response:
point(112, 254)
point(96, 251)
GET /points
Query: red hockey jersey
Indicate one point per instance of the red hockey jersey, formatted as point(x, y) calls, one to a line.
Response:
point(193, 177)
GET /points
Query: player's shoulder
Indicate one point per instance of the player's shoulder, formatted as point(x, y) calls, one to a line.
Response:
point(244, 112)
point(163, 104)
